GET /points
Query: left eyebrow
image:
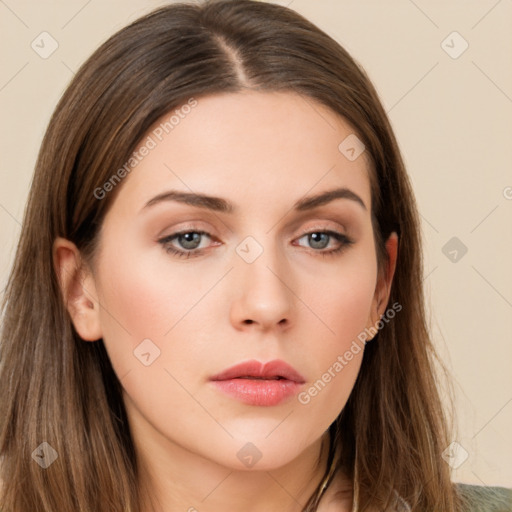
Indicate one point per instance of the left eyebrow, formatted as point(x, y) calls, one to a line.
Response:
point(308, 203)
point(222, 205)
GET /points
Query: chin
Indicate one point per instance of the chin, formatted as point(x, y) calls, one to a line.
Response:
point(263, 452)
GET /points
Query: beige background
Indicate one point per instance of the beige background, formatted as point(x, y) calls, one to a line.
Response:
point(453, 120)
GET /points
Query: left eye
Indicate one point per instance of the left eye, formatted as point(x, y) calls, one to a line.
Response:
point(320, 239)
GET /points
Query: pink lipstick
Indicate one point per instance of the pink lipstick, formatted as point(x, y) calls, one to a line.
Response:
point(256, 383)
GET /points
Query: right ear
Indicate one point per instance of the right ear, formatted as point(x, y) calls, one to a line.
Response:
point(78, 289)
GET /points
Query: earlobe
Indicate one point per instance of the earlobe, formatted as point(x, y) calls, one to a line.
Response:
point(77, 289)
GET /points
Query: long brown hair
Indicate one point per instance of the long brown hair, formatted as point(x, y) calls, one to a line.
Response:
point(60, 390)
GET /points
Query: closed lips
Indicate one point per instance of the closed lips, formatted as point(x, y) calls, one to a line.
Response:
point(272, 370)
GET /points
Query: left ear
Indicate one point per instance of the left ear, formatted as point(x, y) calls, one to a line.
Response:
point(384, 281)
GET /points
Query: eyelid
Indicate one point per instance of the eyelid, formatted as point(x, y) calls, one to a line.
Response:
point(335, 226)
point(185, 227)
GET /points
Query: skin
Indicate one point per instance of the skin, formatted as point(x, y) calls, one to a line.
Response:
point(262, 152)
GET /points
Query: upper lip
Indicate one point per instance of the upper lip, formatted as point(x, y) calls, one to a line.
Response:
point(270, 370)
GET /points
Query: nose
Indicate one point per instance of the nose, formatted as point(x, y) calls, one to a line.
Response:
point(264, 297)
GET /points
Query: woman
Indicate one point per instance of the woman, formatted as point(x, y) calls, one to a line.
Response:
point(216, 300)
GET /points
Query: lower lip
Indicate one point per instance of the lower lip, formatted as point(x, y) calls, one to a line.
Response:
point(259, 391)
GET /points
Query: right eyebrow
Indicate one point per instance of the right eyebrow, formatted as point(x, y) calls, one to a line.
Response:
point(200, 200)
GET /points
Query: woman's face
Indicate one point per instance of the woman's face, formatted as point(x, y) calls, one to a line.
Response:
point(253, 280)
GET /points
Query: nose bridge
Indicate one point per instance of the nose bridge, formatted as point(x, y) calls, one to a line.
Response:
point(264, 295)
point(261, 259)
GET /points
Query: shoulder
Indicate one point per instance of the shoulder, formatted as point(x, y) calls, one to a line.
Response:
point(477, 498)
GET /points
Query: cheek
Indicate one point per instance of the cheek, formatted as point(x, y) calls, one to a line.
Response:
point(138, 317)
point(325, 397)
point(135, 306)
point(344, 301)
point(344, 307)
point(150, 307)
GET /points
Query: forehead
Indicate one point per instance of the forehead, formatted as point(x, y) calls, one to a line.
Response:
point(254, 148)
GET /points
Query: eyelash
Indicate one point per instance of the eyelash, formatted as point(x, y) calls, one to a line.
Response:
point(343, 239)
